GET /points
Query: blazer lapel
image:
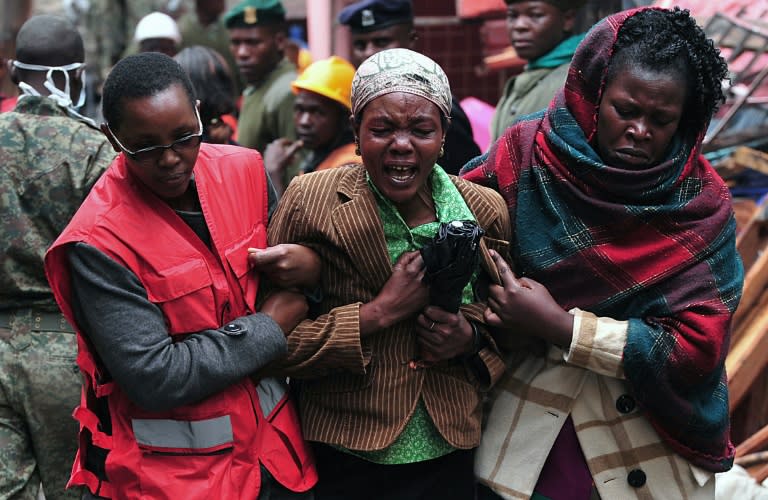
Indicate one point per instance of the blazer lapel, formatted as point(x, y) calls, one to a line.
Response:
point(360, 229)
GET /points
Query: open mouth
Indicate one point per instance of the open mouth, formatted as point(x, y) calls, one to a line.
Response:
point(401, 174)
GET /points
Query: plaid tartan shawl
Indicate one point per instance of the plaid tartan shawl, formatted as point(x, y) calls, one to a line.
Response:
point(654, 247)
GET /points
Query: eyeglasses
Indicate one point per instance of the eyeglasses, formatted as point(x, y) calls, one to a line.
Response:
point(153, 154)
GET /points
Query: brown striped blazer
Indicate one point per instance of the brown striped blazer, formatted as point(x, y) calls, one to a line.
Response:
point(360, 395)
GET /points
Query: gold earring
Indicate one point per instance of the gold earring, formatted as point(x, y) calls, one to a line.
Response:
point(442, 151)
point(357, 148)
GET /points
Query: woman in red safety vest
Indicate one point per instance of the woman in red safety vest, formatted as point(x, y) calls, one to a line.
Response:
point(154, 273)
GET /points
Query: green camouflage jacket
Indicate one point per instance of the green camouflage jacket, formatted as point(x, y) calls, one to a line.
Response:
point(48, 162)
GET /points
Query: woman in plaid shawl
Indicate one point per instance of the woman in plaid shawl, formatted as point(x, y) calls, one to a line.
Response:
point(625, 266)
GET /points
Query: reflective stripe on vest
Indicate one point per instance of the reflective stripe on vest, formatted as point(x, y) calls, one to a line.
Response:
point(196, 435)
point(271, 391)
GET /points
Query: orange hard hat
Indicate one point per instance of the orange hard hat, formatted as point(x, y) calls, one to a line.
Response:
point(330, 77)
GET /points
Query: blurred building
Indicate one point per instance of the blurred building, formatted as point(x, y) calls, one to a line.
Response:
point(13, 13)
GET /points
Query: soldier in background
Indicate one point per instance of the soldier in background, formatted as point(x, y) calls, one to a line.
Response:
point(50, 157)
point(257, 35)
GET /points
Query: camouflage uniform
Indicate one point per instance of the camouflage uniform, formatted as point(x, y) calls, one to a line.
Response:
point(48, 162)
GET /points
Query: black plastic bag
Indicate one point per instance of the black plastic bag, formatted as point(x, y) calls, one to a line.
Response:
point(451, 258)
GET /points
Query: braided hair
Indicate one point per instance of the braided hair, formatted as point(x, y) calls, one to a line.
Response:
point(665, 41)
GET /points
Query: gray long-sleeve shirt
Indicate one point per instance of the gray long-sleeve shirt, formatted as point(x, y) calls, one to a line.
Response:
point(130, 336)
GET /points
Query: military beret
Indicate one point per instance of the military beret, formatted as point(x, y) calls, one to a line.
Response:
point(373, 15)
point(560, 4)
point(249, 13)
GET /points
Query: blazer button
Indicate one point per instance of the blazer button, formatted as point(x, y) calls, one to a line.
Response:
point(636, 478)
point(625, 403)
point(233, 329)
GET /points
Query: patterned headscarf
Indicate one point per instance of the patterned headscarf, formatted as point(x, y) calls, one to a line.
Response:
point(653, 246)
point(400, 70)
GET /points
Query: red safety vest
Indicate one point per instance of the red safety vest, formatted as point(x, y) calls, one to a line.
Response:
point(211, 449)
point(7, 103)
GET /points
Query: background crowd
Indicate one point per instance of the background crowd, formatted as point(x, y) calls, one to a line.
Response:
point(213, 214)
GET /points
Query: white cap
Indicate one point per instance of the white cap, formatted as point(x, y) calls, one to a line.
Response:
point(157, 25)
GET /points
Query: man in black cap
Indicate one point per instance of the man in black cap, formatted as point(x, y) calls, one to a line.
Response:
point(257, 41)
point(377, 25)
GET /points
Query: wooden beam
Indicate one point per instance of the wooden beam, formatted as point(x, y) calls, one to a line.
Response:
point(756, 442)
point(749, 356)
point(760, 475)
point(741, 324)
point(750, 229)
point(754, 284)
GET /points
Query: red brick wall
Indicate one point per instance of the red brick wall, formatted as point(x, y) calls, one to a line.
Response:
point(458, 49)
